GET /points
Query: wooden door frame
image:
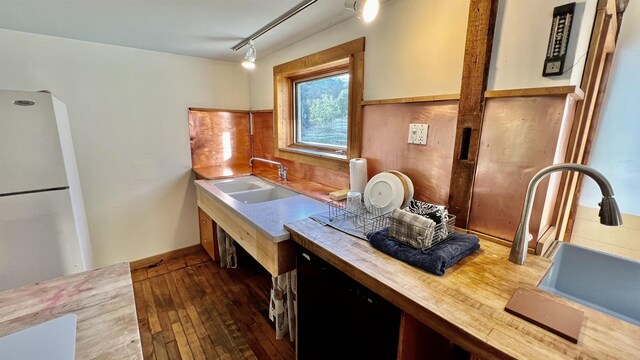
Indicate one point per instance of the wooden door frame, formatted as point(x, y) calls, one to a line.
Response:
point(587, 116)
point(478, 48)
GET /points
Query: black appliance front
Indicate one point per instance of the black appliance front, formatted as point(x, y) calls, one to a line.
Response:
point(338, 318)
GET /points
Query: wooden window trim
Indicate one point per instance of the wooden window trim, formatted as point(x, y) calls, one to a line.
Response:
point(349, 56)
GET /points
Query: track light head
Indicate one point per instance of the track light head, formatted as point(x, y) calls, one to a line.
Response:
point(367, 10)
point(249, 61)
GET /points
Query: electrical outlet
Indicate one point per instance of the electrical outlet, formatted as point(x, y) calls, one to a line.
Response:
point(418, 134)
point(413, 132)
point(421, 139)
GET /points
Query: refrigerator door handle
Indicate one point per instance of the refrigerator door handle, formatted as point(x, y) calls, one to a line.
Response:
point(35, 191)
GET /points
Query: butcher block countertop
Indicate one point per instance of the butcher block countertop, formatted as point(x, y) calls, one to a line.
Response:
point(102, 299)
point(466, 305)
point(222, 172)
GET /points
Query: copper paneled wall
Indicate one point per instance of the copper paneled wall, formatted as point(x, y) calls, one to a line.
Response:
point(219, 138)
point(385, 131)
point(385, 145)
point(520, 136)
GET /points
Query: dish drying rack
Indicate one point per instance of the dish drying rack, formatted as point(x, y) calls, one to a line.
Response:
point(420, 237)
point(365, 218)
point(369, 218)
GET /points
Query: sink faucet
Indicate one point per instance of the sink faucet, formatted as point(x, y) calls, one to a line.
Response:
point(282, 170)
point(609, 211)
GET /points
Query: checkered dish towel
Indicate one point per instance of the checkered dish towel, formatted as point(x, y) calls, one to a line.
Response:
point(411, 229)
point(437, 213)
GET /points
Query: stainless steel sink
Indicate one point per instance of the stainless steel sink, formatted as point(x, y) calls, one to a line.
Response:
point(242, 184)
point(265, 208)
point(252, 190)
point(604, 282)
point(262, 195)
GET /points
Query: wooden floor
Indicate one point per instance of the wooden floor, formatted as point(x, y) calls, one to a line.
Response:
point(190, 308)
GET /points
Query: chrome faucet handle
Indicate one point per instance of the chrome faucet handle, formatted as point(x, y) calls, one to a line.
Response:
point(284, 173)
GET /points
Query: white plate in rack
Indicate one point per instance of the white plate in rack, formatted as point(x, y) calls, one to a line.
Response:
point(409, 189)
point(385, 192)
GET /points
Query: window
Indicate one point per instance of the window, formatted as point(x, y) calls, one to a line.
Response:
point(317, 110)
point(322, 111)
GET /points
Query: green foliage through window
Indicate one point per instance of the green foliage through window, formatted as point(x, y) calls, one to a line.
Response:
point(322, 107)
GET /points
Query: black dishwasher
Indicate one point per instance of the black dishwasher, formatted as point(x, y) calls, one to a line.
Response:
point(338, 318)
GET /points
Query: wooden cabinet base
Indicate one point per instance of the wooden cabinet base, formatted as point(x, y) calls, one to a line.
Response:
point(277, 257)
point(417, 341)
point(208, 236)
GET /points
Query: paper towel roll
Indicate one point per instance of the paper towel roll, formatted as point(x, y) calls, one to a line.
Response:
point(358, 174)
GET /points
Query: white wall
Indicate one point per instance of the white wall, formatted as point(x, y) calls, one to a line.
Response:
point(128, 116)
point(416, 48)
point(616, 149)
point(520, 44)
point(413, 48)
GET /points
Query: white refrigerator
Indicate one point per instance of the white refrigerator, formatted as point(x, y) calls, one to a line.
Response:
point(43, 226)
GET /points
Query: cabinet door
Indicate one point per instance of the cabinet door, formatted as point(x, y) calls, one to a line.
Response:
point(207, 235)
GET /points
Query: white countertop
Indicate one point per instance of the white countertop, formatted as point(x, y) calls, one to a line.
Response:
point(270, 216)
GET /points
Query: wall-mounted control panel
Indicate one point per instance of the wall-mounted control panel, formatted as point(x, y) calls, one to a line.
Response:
point(418, 134)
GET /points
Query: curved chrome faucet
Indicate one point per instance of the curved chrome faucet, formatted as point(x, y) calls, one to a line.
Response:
point(282, 170)
point(609, 211)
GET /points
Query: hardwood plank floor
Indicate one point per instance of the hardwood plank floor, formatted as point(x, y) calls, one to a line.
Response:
point(190, 308)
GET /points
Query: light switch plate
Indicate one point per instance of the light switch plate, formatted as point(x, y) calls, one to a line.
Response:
point(418, 134)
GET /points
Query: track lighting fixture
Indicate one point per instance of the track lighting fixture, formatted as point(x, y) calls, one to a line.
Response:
point(367, 10)
point(249, 61)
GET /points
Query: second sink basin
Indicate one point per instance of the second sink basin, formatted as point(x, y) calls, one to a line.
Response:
point(262, 195)
point(252, 190)
point(242, 184)
point(607, 283)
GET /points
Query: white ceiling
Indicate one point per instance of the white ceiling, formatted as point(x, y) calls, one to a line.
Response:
point(202, 28)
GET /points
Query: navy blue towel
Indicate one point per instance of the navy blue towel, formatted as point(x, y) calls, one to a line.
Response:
point(434, 260)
